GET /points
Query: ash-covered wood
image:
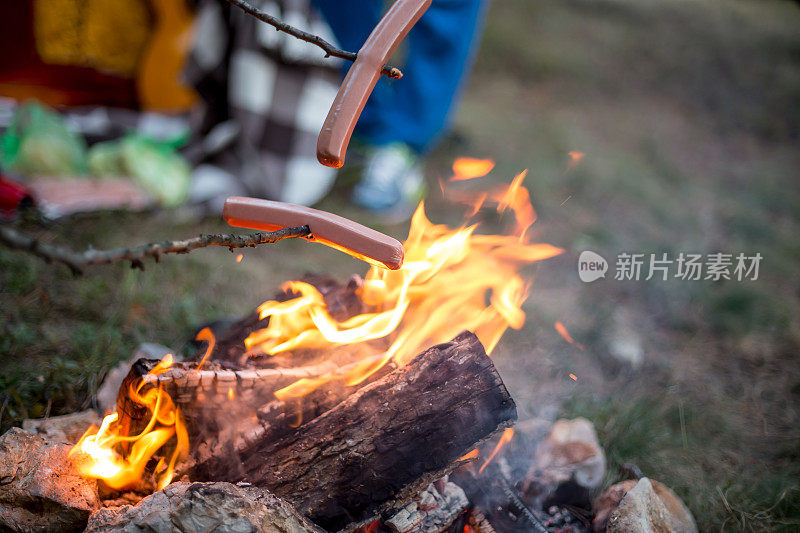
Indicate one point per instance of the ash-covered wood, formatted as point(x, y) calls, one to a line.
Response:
point(435, 509)
point(203, 507)
point(387, 441)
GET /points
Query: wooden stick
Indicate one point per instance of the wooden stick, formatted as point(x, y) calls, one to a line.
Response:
point(328, 48)
point(78, 261)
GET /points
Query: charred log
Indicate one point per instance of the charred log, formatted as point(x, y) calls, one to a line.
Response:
point(386, 442)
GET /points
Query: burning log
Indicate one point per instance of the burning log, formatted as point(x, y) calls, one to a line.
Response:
point(386, 442)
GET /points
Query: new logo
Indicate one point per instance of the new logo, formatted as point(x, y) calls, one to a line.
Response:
point(591, 266)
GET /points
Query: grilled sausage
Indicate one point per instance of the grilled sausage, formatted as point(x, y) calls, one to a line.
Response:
point(335, 231)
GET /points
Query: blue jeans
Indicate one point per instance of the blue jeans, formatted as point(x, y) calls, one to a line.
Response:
point(415, 109)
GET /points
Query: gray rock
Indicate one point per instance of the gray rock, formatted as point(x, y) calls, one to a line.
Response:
point(647, 507)
point(40, 490)
point(568, 465)
point(66, 428)
point(204, 507)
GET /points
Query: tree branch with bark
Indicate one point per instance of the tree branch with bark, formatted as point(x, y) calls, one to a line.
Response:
point(77, 262)
point(328, 48)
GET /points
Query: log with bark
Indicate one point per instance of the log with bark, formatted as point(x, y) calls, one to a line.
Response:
point(384, 443)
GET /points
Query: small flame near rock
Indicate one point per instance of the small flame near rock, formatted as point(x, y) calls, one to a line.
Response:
point(107, 453)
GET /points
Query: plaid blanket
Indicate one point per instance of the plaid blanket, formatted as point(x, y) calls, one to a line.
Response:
point(265, 95)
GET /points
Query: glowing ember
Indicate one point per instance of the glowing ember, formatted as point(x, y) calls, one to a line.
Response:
point(508, 433)
point(452, 280)
point(576, 156)
point(107, 453)
point(574, 377)
point(239, 258)
point(562, 330)
point(466, 168)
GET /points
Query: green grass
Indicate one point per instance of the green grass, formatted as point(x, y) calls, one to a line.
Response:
point(684, 446)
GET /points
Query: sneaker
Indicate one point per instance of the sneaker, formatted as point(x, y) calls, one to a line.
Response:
point(392, 180)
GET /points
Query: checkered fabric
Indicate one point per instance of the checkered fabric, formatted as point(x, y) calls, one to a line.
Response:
point(266, 95)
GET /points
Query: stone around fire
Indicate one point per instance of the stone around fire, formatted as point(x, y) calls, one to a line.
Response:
point(40, 490)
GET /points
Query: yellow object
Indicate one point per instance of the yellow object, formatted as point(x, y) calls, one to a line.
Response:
point(107, 35)
point(143, 39)
point(159, 82)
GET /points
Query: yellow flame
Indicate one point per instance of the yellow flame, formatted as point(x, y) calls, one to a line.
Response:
point(451, 280)
point(118, 459)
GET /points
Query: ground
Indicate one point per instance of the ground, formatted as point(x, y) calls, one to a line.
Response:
point(688, 113)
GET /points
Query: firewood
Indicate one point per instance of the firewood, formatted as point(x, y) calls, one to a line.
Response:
point(386, 442)
point(203, 507)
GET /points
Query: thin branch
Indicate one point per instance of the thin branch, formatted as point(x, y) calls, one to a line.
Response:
point(78, 261)
point(328, 48)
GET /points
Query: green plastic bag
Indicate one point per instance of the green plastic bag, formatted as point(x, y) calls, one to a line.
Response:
point(38, 143)
point(161, 171)
point(105, 159)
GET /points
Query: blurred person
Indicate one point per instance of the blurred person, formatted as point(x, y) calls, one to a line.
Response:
point(402, 121)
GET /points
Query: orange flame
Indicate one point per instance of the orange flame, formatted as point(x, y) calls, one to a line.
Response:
point(508, 433)
point(562, 330)
point(119, 460)
point(469, 456)
point(239, 258)
point(451, 280)
point(207, 335)
point(575, 157)
point(466, 168)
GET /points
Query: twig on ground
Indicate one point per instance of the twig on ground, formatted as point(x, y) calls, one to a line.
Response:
point(78, 261)
point(328, 48)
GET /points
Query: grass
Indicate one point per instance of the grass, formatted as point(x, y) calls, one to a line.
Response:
point(688, 112)
point(670, 440)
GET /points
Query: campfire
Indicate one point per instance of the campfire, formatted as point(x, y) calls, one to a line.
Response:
point(370, 405)
point(397, 359)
